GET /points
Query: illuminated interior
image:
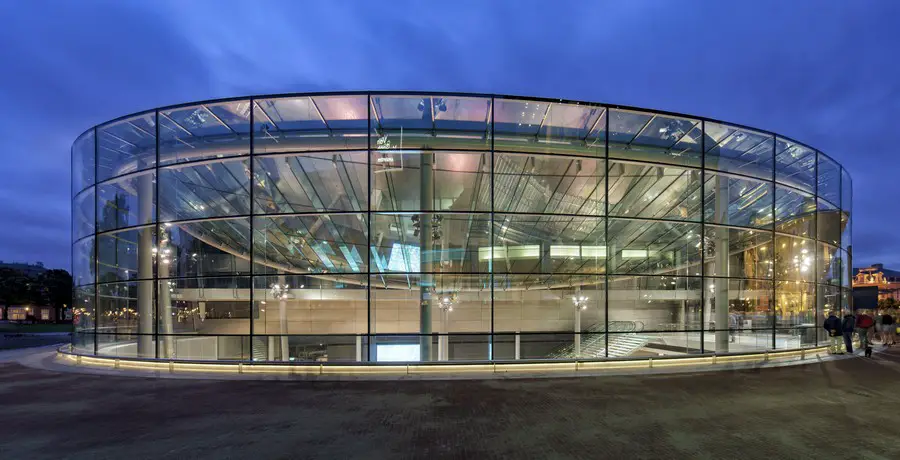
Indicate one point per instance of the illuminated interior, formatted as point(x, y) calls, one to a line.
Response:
point(381, 227)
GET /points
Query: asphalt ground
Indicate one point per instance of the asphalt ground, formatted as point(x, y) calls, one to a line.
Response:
point(842, 409)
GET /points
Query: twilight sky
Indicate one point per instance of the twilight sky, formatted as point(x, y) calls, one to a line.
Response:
point(824, 72)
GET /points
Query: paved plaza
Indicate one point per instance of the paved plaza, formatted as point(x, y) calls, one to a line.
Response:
point(807, 411)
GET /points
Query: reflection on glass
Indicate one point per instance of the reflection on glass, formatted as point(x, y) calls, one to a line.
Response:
point(83, 214)
point(738, 201)
point(83, 162)
point(431, 122)
point(325, 243)
point(829, 180)
point(656, 303)
point(126, 146)
point(83, 313)
point(795, 304)
point(650, 247)
point(310, 123)
point(548, 184)
point(127, 201)
point(640, 136)
point(203, 306)
point(208, 190)
point(546, 244)
point(204, 131)
point(795, 212)
point(310, 182)
point(794, 258)
point(120, 254)
point(739, 150)
point(828, 223)
point(795, 164)
point(542, 127)
point(660, 192)
point(741, 253)
point(205, 248)
point(83, 261)
point(454, 181)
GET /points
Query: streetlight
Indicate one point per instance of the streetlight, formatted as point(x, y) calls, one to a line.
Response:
point(580, 303)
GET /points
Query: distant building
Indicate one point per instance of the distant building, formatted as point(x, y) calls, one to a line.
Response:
point(27, 269)
point(887, 281)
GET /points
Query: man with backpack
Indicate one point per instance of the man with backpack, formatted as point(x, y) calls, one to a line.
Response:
point(833, 328)
point(847, 326)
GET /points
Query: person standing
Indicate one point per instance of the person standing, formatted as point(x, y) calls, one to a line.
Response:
point(847, 326)
point(864, 325)
point(888, 329)
point(833, 328)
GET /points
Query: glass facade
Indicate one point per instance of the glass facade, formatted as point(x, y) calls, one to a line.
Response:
point(383, 227)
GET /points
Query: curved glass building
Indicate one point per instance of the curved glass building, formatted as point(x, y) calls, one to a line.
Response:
point(376, 227)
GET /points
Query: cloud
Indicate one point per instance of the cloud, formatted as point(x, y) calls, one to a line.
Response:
point(821, 72)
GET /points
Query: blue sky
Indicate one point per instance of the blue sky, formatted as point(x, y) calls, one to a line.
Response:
point(822, 72)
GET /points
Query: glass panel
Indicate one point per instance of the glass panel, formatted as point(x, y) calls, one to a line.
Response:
point(749, 253)
point(209, 190)
point(126, 202)
point(83, 262)
point(309, 304)
point(654, 137)
point(550, 303)
point(749, 303)
point(737, 340)
point(542, 345)
point(204, 131)
point(459, 243)
point(431, 122)
point(461, 181)
point(830, 301)
point(205, 347)
point(83, 313)
point(796, 337)
point(654, 303)
point(125, 345)
point(546, 244)
point(126, 146)
point(311, 182)
point(739, 150)
point(548, 184)
point(531, 126)
point(327, 243)
point(83, 162)
point(794, 212)
point(794, 258)
point(659, 192)
point(795, 304)
point(311, 348)
point(306, 123)
point(119, 254)
point(83, 207)
point(205, 306)
point(845, 269)
point(846, 229)
point(828, 223)
point(204, 248)
point(651, 247)
point(830, 264)
point(846, 207)
point(457, 303)
point(120, 307)
point(83, 343)
point(795, 164)
point(829, 181)
point(738, 201)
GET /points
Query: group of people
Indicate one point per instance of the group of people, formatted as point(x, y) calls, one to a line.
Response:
point(865, 326)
